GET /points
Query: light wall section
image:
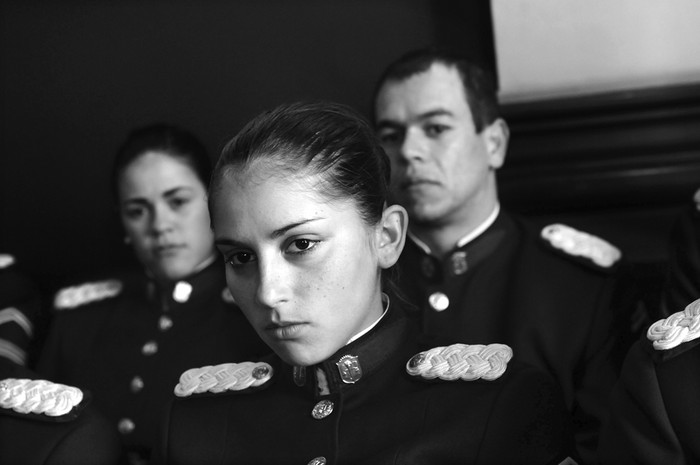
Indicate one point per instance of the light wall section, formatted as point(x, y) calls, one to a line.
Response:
point(560, 48)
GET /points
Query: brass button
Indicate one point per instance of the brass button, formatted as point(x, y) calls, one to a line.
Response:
point(149, 348)
point(165, 323)
point(136, 384)
point(322, 409)
point(459, 262)
point(182, 291)
point(438, 301)
point(126, 426)
point(318, 461)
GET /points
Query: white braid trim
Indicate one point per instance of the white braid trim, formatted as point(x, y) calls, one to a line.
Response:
point(38, 396)
point(461, 361)
point(579, 243)
point(676, 329)
point(224, 377)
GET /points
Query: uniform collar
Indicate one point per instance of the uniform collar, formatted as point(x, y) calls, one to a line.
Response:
point(208, 277)
point(358, 360)
point(466, 239)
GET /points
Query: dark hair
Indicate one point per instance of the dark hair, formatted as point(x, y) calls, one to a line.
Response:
point(480, 86)
point(168, 139)
point(324, 138)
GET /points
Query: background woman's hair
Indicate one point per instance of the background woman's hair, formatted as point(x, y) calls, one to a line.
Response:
point(163, 138)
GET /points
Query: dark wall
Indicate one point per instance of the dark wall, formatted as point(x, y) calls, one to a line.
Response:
point(77, 75)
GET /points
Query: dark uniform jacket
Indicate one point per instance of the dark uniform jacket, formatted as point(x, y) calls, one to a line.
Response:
point(655, 407)
point(683, 278)
point(127, 342)
point(81, 436)
point(378, 415)
point(511, 286)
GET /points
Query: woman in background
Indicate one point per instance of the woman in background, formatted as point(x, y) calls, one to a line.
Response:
point(126, 338)
point(298, 204)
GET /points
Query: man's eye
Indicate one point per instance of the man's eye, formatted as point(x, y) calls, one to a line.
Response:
point(434, 130)
point(300, 246)
point(240, 258)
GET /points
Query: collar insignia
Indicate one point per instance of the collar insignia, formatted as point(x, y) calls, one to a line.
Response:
point(349, 368)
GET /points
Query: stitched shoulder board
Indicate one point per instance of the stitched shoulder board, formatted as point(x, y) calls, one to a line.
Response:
point(577, 243)
point(6, 260)
point(679, 328)
point(75, 296)
point(461, 361)
point(38, 396)
point(224, 377)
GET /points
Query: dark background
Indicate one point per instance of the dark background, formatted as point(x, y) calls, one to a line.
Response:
point(77, 75)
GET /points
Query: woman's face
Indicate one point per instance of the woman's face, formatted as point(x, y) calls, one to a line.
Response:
point(303, 268)
point(163, 207)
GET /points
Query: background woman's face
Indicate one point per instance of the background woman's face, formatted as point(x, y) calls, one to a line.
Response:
point(163, 207)
point(302, 267)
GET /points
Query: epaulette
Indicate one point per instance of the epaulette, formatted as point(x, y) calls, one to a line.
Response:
point(696, 199)
point(223, 377)
point(679, 328)
point(75, 296)
point(38, 397)
point(575, 243)
point(461, 361)
point(6, 260)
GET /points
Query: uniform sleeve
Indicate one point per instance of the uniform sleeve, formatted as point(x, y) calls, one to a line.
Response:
point(683, 279)
point(529, 423)
point(638, 430)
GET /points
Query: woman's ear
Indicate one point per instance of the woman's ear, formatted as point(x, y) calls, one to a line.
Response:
point(392, 235)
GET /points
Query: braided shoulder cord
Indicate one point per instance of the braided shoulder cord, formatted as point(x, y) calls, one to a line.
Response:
point(461, 361)
point(38, 396)
point(678, 328)
point(224, 377)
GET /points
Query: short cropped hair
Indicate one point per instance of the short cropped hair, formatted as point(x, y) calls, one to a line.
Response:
point(480, 86)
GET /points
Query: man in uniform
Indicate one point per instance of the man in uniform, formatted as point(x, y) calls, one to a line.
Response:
point(473, 271)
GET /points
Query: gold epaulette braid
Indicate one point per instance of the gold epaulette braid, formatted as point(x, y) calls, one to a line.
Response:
point(461, 361)
point(678, 328)
point(38, 396)
point(224, 377)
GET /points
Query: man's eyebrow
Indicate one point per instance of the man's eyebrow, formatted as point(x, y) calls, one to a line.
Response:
point(275, 234)
point(391, 124)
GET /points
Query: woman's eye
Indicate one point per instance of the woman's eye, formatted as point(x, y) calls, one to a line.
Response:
point(134, 212)
point(178, 202)
point(300, 246)
point(240, 258)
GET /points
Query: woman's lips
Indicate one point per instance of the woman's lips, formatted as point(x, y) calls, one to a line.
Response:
point(285, 331)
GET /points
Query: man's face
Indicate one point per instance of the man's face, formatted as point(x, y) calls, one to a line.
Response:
point(442, 169)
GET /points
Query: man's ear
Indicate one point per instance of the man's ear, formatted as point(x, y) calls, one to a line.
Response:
point(391, 233)
point(496, 137)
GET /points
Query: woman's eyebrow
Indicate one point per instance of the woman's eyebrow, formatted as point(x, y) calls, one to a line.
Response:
point(225, 241)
